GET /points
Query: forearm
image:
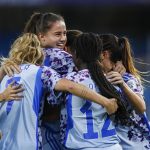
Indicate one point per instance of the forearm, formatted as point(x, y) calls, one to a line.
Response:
point(136, 100)
point(81, 91)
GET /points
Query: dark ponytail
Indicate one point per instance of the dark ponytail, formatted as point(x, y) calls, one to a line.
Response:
point(32, 26)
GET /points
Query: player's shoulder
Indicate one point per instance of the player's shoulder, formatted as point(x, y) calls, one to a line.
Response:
point(55, 51)
point(128, 76)
point(133, 82)
point(29, 67)
point(79, 76)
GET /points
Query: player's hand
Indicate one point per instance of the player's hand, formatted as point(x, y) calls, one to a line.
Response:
point(119, 67)
point(111, 106)
point(115, 78)
point(13, 92)
point(10, 67)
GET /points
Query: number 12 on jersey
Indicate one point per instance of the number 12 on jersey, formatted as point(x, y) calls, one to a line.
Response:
point(105, 131)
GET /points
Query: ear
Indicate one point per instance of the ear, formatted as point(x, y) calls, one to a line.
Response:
point(78, 61)
point(105, 54)
point(41, 37)
point(66, 48)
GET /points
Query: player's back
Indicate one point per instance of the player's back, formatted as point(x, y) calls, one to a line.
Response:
point(19, 119)
point(88, 124)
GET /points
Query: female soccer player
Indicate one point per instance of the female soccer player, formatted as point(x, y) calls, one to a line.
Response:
point(84, 124)
point(135, 135)
point(51, 31)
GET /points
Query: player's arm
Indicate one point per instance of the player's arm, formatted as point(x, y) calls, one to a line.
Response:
point(86, 93)
point(135, 99)
point(11, 92)
point(53, 81)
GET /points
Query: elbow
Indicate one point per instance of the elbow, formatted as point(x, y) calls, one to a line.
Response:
point(70, 88)
point(142, 109)
point(64, 85)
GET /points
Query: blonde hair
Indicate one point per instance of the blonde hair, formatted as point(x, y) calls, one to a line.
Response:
point(26, 49)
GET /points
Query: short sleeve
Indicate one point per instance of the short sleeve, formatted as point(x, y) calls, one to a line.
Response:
point(79, 77)
point(135, 85)
point(59, 60)
point(49, 79)
point(72, 77)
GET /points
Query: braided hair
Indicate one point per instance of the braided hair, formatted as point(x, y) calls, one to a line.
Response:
point(88, 47)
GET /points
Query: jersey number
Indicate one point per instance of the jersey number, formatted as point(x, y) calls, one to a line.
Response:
point(10, 103)
point(90, 130)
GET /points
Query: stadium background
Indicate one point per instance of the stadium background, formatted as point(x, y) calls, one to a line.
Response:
point(129, 18)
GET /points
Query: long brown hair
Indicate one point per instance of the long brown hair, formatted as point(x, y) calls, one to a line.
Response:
point(120, 50)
